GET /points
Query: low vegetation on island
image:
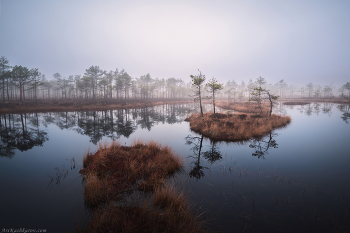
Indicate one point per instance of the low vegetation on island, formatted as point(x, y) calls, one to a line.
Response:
point(257, 121)
point(235, 127)
point(114, 172)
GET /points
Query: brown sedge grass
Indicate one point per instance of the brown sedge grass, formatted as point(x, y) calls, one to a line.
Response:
point(147, 165)
point(236, 127)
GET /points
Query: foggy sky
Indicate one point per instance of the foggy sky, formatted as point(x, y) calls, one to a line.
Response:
point(298, 41)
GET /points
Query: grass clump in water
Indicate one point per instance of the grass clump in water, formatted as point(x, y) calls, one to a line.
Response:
point(235, 127)
point(116, 170)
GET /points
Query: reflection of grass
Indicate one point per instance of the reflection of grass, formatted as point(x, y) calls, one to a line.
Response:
point(115, 170)
point(142, 218)
point(60, 175)
point(235, 127)
point(168, 198)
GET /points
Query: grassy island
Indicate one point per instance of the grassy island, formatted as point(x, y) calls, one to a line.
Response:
point(115, 172)
point(235, 127)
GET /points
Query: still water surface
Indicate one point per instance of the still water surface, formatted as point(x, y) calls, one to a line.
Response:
point(294, 179)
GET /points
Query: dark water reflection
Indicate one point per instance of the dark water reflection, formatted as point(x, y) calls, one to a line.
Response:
point(345, 109)
point(301, 183)
point(315, 108)
point(20, 131)
point(318, 108)
point(196, 143)
point(294, 179)
point(263, 145)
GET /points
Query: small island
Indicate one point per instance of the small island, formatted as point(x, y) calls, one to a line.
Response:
point(256, 121)
point(235, 127)
point(115, 172)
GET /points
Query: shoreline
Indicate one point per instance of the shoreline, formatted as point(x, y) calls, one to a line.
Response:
point(64, 105)
point(69, 105)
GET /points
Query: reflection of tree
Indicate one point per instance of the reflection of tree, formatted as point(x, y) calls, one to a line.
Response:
point(125, 126)
point(172, 116)
point(7, 136)
point(146, 120)
point(326, 109)
point(213, 154)
point(6, 151)
point(48, 119)
point(159, 116)
point(308, 110)
point(280, 109)
point(28, 137)
point(301, 108)
point(262, 146)
point(116, 123)
point(20, 131)
point(317, 108)
point(65, 120)
point(197, 144)
point(345, 109)
point(90, 124)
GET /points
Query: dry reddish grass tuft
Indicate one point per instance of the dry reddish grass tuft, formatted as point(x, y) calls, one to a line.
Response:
point(87, 159)
point(115, 167)
point(168, 197)
point(235, 127)
point(98, 191)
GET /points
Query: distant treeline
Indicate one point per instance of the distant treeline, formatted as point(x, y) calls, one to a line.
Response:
point(21, 83)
